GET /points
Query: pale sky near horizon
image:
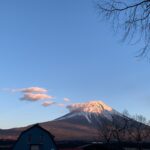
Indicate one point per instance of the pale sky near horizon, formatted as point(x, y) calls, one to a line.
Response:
point(65, 48)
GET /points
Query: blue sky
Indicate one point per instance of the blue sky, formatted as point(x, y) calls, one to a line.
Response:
point(64, 47)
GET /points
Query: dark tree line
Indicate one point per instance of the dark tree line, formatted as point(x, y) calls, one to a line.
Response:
point(126, 128)
point(132, 17)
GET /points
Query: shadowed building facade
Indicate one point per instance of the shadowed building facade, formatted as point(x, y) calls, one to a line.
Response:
point(35, 138)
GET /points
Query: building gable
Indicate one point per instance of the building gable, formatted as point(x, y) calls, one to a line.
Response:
point(35, 138)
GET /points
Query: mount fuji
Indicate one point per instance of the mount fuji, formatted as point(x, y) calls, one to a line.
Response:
point(81, 123)
point(88, 110)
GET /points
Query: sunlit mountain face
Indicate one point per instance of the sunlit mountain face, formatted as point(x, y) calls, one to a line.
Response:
point(85, 121)
point(89, 111)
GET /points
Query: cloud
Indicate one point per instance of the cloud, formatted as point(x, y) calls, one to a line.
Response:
point(27, 90)
point(67, 99)
point(75, 107)
point(35, 97)
point(90, 106)
point(33, 90)
point(10, 90)
point(61, 105)
point(48, 103)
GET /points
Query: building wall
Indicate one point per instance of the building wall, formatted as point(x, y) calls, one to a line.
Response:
point(35, 136)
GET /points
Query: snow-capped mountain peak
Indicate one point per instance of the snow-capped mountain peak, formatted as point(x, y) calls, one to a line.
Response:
point(90, 107)
point(89, 110)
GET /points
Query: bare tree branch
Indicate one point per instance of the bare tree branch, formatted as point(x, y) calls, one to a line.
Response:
point(131, 17)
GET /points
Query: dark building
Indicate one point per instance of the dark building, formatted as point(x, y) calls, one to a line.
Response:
point(35, 138)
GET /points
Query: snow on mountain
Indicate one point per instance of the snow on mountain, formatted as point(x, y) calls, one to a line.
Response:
point(89, 110)
point(90, 107)
point(81, 123)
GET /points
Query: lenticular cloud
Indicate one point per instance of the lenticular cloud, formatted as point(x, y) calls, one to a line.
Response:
point(34, 89)
point(35, 94)
point(35, 97)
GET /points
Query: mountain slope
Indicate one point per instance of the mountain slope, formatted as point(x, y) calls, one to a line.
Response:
point(82, 123)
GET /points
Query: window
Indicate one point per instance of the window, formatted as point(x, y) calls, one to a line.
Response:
point(35, 147)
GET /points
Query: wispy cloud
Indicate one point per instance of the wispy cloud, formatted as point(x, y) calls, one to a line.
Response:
point(35, 97)
point(67, 99)
point(26, 90)
point(61, 105)
point(48, 103)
